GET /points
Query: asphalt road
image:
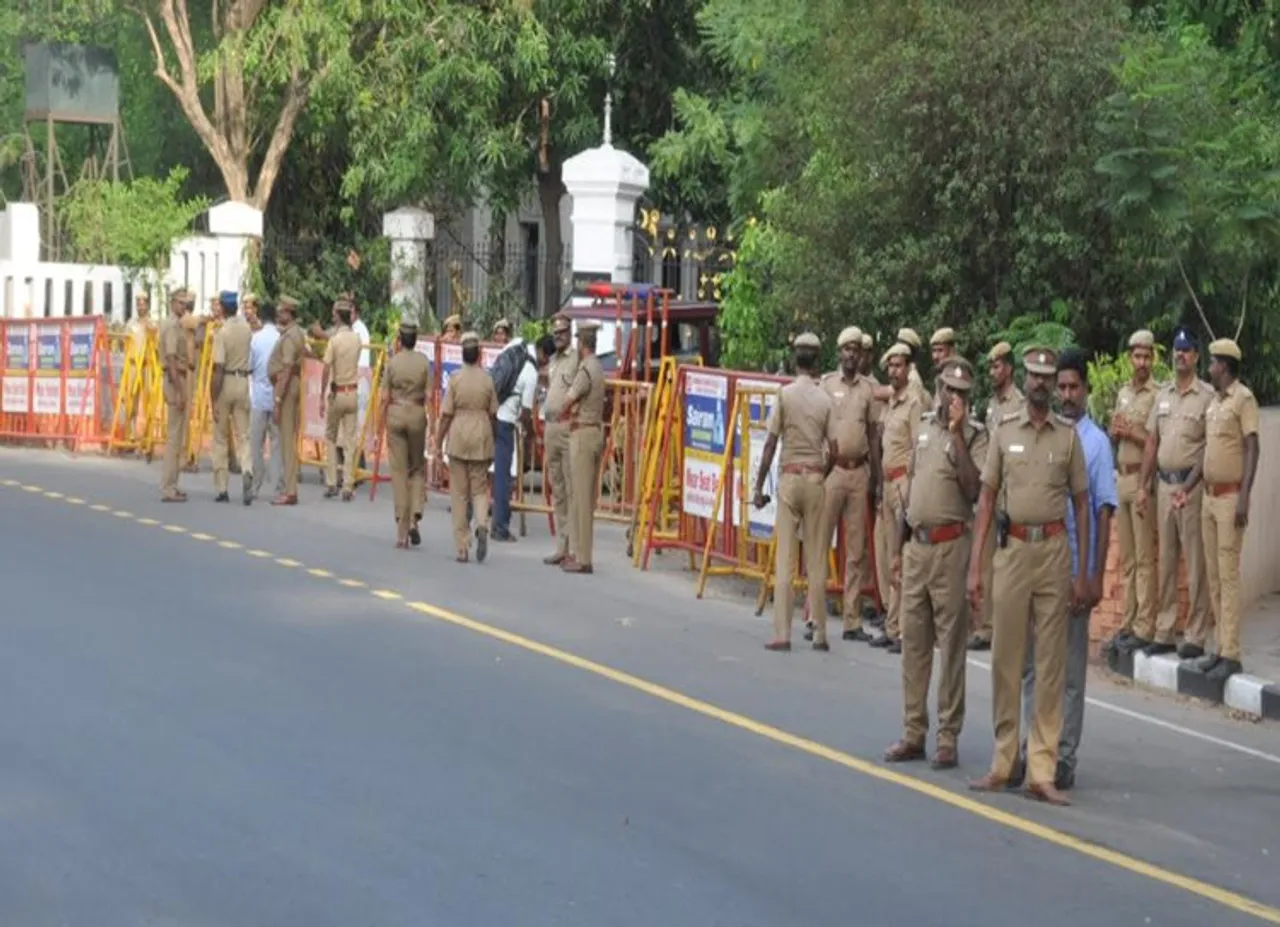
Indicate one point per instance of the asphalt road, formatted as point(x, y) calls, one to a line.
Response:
point(272, 717)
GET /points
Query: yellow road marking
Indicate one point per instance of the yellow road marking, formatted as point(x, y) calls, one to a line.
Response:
point(352, 583)
point(198, 536)
point(323, 574)
point(258, 553)
point(230, 545)
point(1221, 896)
point(53, 495)
point(29, 488)
point(149, 522)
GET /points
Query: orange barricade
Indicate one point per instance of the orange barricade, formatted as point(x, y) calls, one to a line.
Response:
point(57, 381)
point(696, 477)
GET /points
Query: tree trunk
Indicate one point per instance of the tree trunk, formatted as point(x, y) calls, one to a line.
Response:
point(550, 191)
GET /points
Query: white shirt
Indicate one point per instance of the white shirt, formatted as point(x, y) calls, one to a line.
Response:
point(522, 396)
point(261, 392)
point(362, 330)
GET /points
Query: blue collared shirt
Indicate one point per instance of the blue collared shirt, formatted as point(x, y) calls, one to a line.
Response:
point(1100, 466)
point(261, 392)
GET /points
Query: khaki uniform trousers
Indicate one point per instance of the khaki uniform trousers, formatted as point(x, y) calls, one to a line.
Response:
point(846, 502)
point(231, 424)
point(887, 519)
point(1033, 593)
point(175, 444)
point(585, 447)
point(468, 481)
point(1222, 544)
point(934, 613)
point(406, 444)
point(290, 414)
point(1137, 534)
point(800, 509)
point(1181, 533)
point(340, 421)
point(988, 567)
point(555, 439)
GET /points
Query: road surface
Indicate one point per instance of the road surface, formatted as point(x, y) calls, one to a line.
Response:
point(212, 715)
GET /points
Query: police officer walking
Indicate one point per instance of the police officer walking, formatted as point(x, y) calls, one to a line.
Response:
point(1037, 460)
point(339, 387)
point(1230, 464)
point(800, 419)
point(466, 422)
point(406, 375)
point(285, 370)
point(930, 564)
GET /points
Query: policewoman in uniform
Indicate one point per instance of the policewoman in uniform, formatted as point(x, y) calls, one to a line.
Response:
point(467, 418)
point(1230, 464)
point(931, 562)
point(852, 481)
point(800, 421)
point(1037, 460)
point(584, 411)
point(1175, 453)
point(1135, 526)
point(285, 370)
point(406, 376)
point(1006, 400)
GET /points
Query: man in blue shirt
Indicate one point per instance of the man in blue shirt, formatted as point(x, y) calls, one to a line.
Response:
point(1073, 398)
point(262, 424)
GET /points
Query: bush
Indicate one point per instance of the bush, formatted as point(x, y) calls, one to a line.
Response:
point(1108, 374)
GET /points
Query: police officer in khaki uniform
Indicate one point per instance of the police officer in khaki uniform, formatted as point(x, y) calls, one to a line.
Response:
point(1134, 525)
point(176, 363)
point(1175, 453)
point(801, 420)
point(945, 478)
point(584, 411)
point(467, 423)
point(339, 391)
point(880, 401)
point(452, 329)
point(897, 436)
point(1230, 465)
point(942, 347)
point(561, 373)
point(908, 337)
point(1037, 460)
point(850, 487)
point(1006, 401)
point(229, 393)
point(285, 369)
point(406, 376)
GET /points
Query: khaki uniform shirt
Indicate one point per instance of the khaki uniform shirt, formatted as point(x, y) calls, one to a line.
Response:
point(342, 357)
point(1177, 420)
point(877, 405)
point(231, 345)
point(799, 420)
point(561, 373)
point(1232, 417)
point(587, 392)
point(914, 380)
point(852, 411)
point(1134, 403)
point(287, 354)
point(936, 497)
point(405, 377)
point(1039, 468)
point(998, 409)
point(174, 353)
point(900, 421)
point(472, 402)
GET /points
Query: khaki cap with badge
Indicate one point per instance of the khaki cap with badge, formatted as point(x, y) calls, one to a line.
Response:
point(851, 335)
point(1142, 339)
point(898, 349)
point(1002, 351)
point(1225, 347)
point(909, 337)
point(957, 373)
point(1040, 360)
point(943, 336)
point(807, 340)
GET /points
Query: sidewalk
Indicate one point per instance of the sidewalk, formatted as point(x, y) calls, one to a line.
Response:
point(1255, 692)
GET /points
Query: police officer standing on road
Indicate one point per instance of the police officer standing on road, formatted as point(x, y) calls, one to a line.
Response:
point(1006, 401)
point(1037, 460)
point(467, 418)
point(176, 362)
point(339, 386)
point(931, 561)
point(800, 419)
point(561, 373)
point(229, 393)
point(1135, 523)
point(584, 411)
point(897, 436)
point(1230, 464)
point(1175, 453)
point(285, 370)
point(850, 487)
point(405, 378)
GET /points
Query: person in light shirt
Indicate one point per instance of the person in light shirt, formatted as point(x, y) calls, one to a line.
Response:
point(515, 416)
point(262, 426)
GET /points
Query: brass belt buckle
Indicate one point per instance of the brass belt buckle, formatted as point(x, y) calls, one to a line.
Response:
point(920, 535)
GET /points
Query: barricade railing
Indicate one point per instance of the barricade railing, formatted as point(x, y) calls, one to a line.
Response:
point(57, 386)
point(138, 415)
point(700, 461)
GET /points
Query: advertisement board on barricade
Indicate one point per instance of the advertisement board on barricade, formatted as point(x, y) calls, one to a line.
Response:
point(52, 370)
point(761, 521)
point(47, 393)
point(703, 435)
point(80, 394)
point(17, 369)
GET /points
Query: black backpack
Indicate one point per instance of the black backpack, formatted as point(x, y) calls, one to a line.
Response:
point(506, 370)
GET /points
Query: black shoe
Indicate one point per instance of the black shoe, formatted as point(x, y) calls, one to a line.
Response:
point(882, 641)
point(857, 634)
point(246, 488)
point(895, 646)
point(1019, 774)
point(331, 492)
point(482, 544)
point(1155, 650)
point(1207, 662)
point(222, 497)
point(808, 632)
point(821, 646)
point(1190, 652)
point(1131, 644)
point(1224, 670)
point(1064, 778)
point(977, 643)
point(868, 614)
point(415, 536)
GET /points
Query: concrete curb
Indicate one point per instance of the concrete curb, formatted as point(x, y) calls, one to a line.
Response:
point(1249, 694)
